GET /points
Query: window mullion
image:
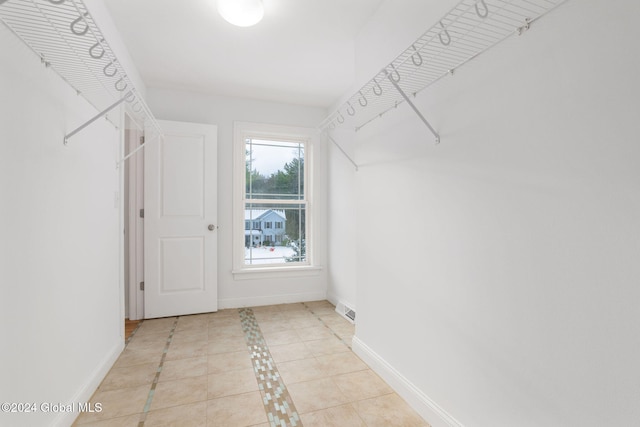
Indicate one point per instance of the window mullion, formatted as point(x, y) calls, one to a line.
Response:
point(276, 202)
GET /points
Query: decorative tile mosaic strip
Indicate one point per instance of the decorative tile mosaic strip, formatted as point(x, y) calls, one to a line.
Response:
point(275, 396)
point(145, 411)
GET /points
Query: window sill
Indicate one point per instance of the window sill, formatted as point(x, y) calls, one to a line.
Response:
point(276, 272)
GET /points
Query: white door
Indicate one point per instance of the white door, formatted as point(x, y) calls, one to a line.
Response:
point(180, 221)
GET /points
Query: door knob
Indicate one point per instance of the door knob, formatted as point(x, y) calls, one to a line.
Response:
point(211, 227)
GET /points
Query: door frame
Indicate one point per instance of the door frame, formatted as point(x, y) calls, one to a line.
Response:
point(134, 223)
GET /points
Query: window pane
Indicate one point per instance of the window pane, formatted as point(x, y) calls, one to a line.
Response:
point(275, 245)
point(274, 169)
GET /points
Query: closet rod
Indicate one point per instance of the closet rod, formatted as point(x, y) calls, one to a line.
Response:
point(96, 117)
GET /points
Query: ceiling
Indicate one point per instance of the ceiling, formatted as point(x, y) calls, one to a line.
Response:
point(302, 52)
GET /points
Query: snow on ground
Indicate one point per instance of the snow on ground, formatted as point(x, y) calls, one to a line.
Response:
point(267, 254)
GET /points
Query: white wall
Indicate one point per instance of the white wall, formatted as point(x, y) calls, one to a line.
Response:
point(394, 26)
point(508, 293)
point(60, 296)
point(223, 111)
point(343, 223)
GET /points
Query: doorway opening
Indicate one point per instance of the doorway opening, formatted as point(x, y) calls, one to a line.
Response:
point(133, 223)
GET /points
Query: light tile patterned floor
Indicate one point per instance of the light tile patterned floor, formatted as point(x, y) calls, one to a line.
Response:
point(282, 365)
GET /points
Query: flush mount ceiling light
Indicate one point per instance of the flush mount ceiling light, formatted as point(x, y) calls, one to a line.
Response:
point(243, 13)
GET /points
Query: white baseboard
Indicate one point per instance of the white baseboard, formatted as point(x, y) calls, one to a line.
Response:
point(433, 413)
point(86, 392)
point(270, 300)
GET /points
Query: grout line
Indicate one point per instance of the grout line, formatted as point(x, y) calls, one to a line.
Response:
point(327, 326)
point(152, 391)
point(278, 404)
point(128, 340)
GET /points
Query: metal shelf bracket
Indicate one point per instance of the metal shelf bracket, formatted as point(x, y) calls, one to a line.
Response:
point(96, 117)
point(144, 142)
point(394, 82)
point(343, 152)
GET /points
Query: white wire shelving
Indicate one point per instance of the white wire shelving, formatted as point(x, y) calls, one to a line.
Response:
point(466, 31)
point(67, 39)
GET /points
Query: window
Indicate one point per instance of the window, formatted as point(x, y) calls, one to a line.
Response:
point(274, 188)
point(271, 187)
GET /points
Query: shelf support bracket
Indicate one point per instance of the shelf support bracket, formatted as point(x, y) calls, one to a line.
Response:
point(411, 104)
point(96, 117)
point(343, 152)
point(140, 147)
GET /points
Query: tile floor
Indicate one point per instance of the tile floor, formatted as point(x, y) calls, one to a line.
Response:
point(282, 365)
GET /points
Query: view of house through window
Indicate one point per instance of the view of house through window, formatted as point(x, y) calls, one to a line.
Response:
point(275, 202)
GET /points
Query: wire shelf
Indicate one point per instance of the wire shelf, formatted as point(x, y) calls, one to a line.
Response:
point(66, 38)
point(466, 31)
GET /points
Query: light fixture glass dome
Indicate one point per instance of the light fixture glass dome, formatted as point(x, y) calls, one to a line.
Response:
point(243, 13)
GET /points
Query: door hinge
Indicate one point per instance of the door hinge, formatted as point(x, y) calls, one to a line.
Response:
point(141, 140)
point(141, 213)
point(142, 286)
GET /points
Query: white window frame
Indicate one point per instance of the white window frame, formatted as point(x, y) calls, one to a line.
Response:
point(241, 132)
